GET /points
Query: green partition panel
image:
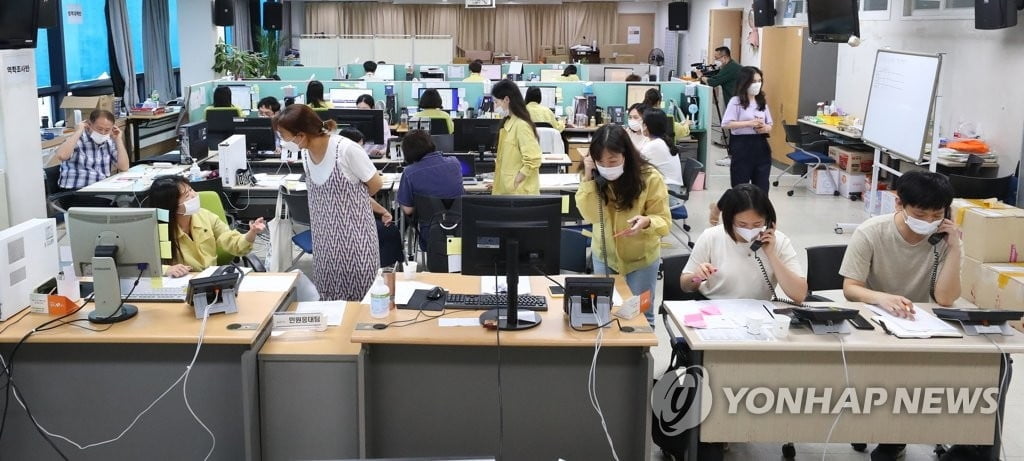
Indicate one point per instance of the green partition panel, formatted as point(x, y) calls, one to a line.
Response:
point(307, 73)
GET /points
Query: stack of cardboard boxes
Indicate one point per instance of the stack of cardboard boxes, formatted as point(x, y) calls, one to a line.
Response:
point(850, 174)
point(992, 276)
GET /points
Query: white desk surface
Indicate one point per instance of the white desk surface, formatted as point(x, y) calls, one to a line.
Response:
point(545, 159)
point(830, 128)
point(137, 179)
point(877, 340)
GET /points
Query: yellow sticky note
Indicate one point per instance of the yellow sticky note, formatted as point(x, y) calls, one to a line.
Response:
point(454, 245)
point(156, 282)
point(162, 215)
point(165, 250)
point(162, 228)
point(565, 204)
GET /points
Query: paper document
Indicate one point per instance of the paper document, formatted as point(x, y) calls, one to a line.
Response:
point(923, 325)
point(459, 322)
point(267, 283)
point(487, 285)
point(731, 334)
point(333, 310)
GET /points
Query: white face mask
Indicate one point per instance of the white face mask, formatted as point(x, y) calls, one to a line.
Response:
point(634, 124)
point(749, 234)
point(921, 227)
point(191, 206)
point(99, 138)
point(611, 173)
point(754, 88)
point(289, 145)
point(500, 110)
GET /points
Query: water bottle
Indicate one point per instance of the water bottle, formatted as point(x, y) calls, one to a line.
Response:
point(255, 92)
point(194, 174)
point(380, 299)
point(404, 119)
point(155, 97)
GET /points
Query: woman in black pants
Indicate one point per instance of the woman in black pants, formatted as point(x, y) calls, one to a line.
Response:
point(749, 121)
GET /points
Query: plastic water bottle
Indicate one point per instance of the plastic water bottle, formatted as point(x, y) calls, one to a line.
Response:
point(255, 92)
point(194, 174)
point(380, 298)
point(404, 119)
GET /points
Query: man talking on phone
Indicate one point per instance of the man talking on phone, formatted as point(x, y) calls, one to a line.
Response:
point(891, 261)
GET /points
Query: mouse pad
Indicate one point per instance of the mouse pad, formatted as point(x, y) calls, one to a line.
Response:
point(419, 301)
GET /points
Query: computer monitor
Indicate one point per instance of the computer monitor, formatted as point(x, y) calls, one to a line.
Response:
point(550, 75)
point(617, 74)
point(241, 96)
point(193, 139)
point(476, 134)
point(491, 71)
point(220, 125)
point(450, 97)
point(456, 72)
point(635, 92)
point(110, 243)
point(258, 132)
point(547, 95)
point(385, 72)
point(345, 98)
point(467, 162)
point(515, 68)
point(510, 235)
point(369, 122)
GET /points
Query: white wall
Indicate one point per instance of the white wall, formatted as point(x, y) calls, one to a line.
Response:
point(980, 74)
point(196, 37)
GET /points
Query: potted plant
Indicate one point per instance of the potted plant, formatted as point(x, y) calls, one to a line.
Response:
point(228, 60)
point(270, 51)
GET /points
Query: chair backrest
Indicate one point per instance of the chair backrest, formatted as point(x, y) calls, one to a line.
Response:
point(672, 268)
point(444, 218)
point(439, 126)
point(298, 205)
point(51, 179)
point(794, 135)
point(823, 264)
point(573, 251)
point(550, 141)
point(210, 201)
point(443, 142)
point(972, 187)
point(691, 169)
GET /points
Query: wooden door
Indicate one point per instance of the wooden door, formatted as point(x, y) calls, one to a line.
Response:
point(781, 58)
point(725, 29)
point(641, 50)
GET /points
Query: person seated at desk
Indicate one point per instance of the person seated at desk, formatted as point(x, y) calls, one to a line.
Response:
point(315, 96)
point(369, 69)
point(658, 150)
point(722, 265)
point(87, 156)
point(635, 125)
point(428, 174)
point(633, 78)
point(268, 106)
point(366, 102)
point(196, 233)
point(539, 113)
point(475, 68)
point(431, 106)
point(890, 262)
point(652, 99)
point(222, 100)
point(569, 74)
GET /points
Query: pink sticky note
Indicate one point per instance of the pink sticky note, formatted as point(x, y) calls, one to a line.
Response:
point(694, 321)
point(710, 310)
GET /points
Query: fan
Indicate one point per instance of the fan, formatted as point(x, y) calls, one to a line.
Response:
point(656, 57)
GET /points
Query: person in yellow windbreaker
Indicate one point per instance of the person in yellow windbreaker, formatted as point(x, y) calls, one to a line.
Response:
point(539, 113)
point(517, 165)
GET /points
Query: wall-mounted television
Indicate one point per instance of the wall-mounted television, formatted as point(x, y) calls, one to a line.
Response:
point(833, 20)
point(19, 20)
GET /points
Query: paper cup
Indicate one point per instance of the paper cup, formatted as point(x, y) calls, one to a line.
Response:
point(409, 269)
point(754, 325)
point(781, 326)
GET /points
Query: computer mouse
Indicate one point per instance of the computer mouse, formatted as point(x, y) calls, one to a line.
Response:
point(435, 293)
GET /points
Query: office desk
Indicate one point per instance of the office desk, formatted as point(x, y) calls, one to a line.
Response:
point(134, 122)
point(875, 359)
point(432, 391)
point(136, 181)
point(89, 385)
point(831, 129)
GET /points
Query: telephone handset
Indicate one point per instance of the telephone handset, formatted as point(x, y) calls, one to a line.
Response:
point(937, 237)
point(756, 245)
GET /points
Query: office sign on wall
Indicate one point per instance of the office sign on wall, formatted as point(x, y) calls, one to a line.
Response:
point(16, 68)
point(74, 13)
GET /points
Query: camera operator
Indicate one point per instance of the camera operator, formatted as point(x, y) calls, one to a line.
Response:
point(728, 71)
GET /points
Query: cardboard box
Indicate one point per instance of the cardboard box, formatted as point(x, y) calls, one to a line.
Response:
point(86, 104)
point(961, 205)
point(820, 183)
point(561, 49)
point(993, 235)
point(880, 202)
point(993, 286)
point(851, 183)
point(547, 50)
point(852, 161)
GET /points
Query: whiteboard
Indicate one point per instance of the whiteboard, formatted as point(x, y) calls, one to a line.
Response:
point(433, 50)
point(900, 101)
point(354, 50)
point(393, 50)
point(319, 52)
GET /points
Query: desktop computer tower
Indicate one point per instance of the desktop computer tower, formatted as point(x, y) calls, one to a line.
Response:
point(29, 258)
point(231, 159)
point(193, 140)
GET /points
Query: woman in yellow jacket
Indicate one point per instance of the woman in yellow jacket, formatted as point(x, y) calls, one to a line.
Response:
point(629, 206)
point(517, 165)
point(539, 113)
point(196, 233)
point(432, 106)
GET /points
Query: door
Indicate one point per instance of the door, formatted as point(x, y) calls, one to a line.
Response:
point(645, 23)
point(781, 58)
point(725, 29)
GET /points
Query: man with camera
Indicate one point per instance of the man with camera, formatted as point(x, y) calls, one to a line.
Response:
point(728, 71)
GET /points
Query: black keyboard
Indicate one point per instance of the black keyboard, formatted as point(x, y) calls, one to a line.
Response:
point(487, 302)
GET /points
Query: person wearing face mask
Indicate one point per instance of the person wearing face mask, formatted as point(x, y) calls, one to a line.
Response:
point(632, 199)
point(749, 121)
point(891, 264)
point(366, 102)
point(196, 233)
point(517, 162)
point(722, 265)
point(635, 125)
point(88, 155)
point(728, 72)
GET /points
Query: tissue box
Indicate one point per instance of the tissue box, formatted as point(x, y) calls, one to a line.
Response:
point(852, 161)
point(992, 235)
point(41, 302)
point(993, 286)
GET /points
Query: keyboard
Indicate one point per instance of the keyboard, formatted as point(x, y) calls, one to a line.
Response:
point(487, 302)
point(145, 292)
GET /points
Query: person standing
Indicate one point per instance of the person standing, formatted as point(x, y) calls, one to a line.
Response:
point(728, 73)
point(517, 164)
point(88, 155)
point(748, 120)
point(339, 177)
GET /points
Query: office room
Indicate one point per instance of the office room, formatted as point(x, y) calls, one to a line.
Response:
point(488, 229)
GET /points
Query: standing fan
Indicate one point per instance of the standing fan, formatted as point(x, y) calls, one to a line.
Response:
point(656, 57)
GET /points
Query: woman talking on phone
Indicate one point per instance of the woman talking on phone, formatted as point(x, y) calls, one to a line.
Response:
point(628, 200)
point(748, 120)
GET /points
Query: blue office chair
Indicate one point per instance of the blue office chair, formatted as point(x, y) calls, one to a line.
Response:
point(298, 209)
point(812, 156)
point(678, 196)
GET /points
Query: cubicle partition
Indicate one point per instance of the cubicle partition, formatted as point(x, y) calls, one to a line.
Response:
point(354, 70)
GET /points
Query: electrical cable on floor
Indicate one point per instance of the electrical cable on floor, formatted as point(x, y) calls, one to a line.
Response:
point(846, 373)
point(1002, 392)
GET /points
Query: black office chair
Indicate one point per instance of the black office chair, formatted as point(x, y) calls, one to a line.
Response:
point(443, 142)
point(573, 251)
point(823, 264)
point(812, 155)
point(57, 201)
point(973, 187)
point(445, 219)
point(671, 269)
point(439, 126)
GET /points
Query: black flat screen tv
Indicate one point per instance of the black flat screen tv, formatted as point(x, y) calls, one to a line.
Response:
point(833, 20)
point(19, 20)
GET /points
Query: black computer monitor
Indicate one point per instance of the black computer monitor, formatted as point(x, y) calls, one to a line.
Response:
point(510, 235)
point(369, 122)
point(467, 162)
point(259, 133)
point(220, 125)
point(476, 134)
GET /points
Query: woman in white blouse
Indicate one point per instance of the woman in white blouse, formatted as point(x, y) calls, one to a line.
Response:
point(659, 150)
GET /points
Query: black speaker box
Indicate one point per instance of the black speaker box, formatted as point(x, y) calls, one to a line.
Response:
point(272, 16)
point(764, 13)
point(49, 12)
point(223, 13)
point(995, 14)
point(678, 16)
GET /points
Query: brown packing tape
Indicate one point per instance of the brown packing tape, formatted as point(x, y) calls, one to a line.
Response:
point(1005, 277)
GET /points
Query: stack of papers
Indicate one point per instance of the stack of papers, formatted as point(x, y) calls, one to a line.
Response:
point(923, 325)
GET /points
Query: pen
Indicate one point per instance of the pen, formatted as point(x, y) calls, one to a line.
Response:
point(769, 311)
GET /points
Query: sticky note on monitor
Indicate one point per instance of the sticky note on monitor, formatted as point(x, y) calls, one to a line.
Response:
point(454, 245)
point(162, 215)
point(162, 229)
point(165, 250)
point(565, 204)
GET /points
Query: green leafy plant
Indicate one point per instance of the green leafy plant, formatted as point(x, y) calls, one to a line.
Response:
point(230, 60)
point(270, 49)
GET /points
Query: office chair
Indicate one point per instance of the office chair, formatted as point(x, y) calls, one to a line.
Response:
point(678, 196)
point(671, 270)
point(823, 264)
point(443, 142)
point(810, 155)
point(444, 217)
point(297, 203)
point(973, 187)
point(573, 251)
point(550, 141)
point(56, 201)
point(439, 126)
point(210, 201)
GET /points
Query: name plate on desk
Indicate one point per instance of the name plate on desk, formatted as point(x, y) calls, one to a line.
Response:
point(315, 321)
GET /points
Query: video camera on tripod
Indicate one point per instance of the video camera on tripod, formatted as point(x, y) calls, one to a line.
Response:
point(707, 70)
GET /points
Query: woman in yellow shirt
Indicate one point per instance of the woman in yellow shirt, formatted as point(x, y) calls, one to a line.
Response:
point(569, 74)
point(517, 164)
point(196, 233)
point(431, 106)
point(222, 100)
point(629, 207)
point(315, 96)
point(539, 113)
